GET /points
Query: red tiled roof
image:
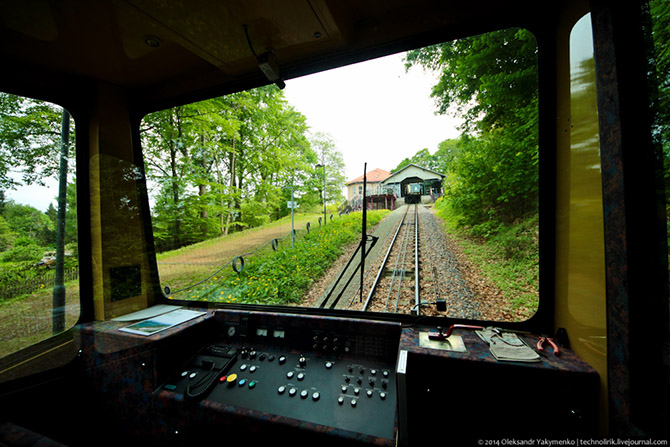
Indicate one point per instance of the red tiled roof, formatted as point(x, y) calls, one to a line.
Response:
point(376, 175)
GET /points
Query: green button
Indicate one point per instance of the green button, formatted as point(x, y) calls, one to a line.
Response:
point(170, 387)
point(252, 384)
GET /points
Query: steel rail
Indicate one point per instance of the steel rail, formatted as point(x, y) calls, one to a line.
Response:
point(381, 269)
point(417, 299)
point(399, 274)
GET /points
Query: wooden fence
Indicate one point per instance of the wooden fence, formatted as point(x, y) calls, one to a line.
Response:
point(45, 280)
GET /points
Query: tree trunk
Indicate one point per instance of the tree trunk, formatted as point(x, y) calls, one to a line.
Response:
point(232, 184)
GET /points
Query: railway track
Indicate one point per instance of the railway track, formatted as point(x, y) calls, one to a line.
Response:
point(396, 285)
point(411, 270)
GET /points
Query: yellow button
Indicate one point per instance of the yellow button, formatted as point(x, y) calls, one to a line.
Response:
point(231, 378)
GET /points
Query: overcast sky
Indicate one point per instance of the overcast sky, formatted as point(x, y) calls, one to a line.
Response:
point(375, 111)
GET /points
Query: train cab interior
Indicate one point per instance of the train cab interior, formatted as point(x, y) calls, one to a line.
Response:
point(302, 375)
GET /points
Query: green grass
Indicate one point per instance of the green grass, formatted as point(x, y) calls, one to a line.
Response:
point(508, 255)
point(300, 220)
point(283, 276)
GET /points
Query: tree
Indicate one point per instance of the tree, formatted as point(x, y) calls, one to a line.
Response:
point(30, 139)
point(491, 80)
point(329, 156)
point(659, 15)
point(30, 223)
point(422, 158)
point(7, 236)
point(221, 163)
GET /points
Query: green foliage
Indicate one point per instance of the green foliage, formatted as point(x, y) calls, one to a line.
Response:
point(25, 249)
point(30, 139)
point(224, 164)
point(490, 79)
point(659, 58)
point(7, 236)
point(508, 255)
point(422, 158)
point(12, 273)
point(283, 276)
point(493, 179)
point(30, 222)
point(492, 170)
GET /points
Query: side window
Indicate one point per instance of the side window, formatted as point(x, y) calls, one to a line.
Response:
point(39, 289)
point(586, 215)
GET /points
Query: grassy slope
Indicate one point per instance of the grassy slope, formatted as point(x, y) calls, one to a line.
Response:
point(509, 258)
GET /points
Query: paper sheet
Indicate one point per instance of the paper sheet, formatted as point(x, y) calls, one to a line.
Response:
point(161, 322)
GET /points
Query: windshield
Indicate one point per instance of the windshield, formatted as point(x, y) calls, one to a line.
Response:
point(258, 197)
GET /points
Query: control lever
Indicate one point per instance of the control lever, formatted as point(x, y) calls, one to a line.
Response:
point(441, 336)
point(209, 379)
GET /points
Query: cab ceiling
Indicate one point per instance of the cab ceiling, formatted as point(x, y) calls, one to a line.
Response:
point(167, 49)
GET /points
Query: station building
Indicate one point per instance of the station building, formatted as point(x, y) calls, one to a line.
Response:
point(374, 184)
point(414, 184)
point(411, 184)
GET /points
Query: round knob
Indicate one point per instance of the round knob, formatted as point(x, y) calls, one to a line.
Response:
point(340, 400)
point(316, 396)
point(302, 361)
point(281, 389)
point(301, 376)
point(369, 393)
point(354, 402)
point(304, 394)
point(282, 360)
point(252, 369)
point(231, 379)
point(292, 392)
point(329, 365)
point(382, 395)
point(289, 375)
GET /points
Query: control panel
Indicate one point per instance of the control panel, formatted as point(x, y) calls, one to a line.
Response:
point(331, 387)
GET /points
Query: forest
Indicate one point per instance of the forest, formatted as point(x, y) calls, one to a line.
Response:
point(231, 163)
